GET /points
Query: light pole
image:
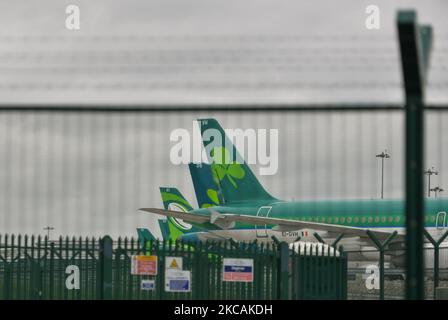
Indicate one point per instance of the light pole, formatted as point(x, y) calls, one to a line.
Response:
point(48, 228)
point(383, 155)
point(429, 173)
point(436, 190)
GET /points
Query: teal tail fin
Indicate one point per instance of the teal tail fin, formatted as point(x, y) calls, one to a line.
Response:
point(207, 191)
point(230, 171)
point(172, 197)
point(164, 229)
point(144, 235)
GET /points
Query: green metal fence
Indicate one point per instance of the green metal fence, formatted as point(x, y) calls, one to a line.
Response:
point(205, 260)
point(318, 276)
point(36, 268)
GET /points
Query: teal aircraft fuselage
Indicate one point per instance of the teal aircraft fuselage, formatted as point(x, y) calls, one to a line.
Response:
point(371, 214)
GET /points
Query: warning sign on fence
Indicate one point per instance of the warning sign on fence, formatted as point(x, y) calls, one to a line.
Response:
point(177, 281)
point(238, 270)
point(173, 263)
point(144, 265)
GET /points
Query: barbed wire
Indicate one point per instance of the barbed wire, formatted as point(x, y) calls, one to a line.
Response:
point(218, 38)
point(159, 61)
point(205, 38)
point(218, 56)
point(196, 69)
point(198, 38)
point(213, 107)
point(234, 85)
point(214, 50)
point(196, 53)
point(210, 61)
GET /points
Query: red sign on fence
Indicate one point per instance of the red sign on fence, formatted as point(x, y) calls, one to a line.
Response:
point(144, 265)
point(238, 270)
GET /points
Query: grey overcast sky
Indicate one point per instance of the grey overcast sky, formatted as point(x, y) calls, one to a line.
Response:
point(87, 174)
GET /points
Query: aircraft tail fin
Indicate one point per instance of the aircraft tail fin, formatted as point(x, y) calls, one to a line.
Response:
point(208, 193)
point(172, 197)
point(144, 235)
point(164, 229)
point(229, 170)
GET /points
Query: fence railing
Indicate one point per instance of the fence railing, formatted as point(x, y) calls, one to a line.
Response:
point(364, 273)
point(36, 268)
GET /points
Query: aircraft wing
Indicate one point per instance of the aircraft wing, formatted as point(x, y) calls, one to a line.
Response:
point(228, 219)
point(188, 217)
point(288, 224)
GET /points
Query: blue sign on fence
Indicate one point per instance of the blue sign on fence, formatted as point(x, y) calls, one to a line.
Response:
point(148, 285)
point(177, 281)
point(238, 270)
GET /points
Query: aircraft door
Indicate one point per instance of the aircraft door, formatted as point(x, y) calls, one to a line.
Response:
point(441, 220)
point(261, 230)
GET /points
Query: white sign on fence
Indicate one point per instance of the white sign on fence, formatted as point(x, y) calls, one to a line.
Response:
point(238, 270)
point(177, 281)
point(148, 285)
point(173, 263)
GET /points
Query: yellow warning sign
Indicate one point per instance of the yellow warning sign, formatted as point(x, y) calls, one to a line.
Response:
point(173, 263)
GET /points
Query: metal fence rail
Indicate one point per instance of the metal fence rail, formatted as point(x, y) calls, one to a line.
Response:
point(204, 259)
point(435, 273)
point(320, 279)
point(35, 268)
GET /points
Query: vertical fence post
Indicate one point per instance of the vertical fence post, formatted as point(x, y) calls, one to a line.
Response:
point(381, 247)
point(436, 245)
point(51, 272)
point(105, 265)
point(415, 44)
point(283, 271)
point(7, 281)
point(344, 282)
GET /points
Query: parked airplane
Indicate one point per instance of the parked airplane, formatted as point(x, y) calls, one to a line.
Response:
point(246, 211)
point(207, 195)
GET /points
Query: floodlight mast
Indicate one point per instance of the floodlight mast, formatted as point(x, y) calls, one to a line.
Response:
point(429, 173)
point(437, 190)
point(48, 229)
point(383, 155)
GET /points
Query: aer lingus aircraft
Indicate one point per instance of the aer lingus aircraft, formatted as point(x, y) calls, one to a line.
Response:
point(246, 211)
point(207, 195)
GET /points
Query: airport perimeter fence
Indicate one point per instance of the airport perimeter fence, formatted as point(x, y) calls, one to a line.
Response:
point(319, 131)
point(364, 273)
point(36, 268)
point(90, 167)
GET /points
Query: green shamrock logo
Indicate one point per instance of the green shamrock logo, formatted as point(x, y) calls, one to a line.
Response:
point(213, 196)
point(223, 167)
